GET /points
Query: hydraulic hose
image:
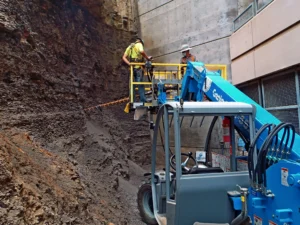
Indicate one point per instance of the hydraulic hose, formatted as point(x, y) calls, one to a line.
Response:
point(240, 219)
point(251, 151)
point(262, 157)
point(207, 141)
point(292, 141)
point(161, 138)
point(286, 128)
point(257, 171)
point(286, 131)
point(246, 140)
point(274, 147)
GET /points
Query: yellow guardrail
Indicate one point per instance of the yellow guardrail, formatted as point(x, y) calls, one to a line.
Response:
point(216, 67)
point(164, 74)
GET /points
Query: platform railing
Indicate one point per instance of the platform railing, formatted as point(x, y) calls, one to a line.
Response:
point(169, 71)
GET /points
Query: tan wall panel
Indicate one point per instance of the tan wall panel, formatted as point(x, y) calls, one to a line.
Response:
point(279, 15)
point(243, 68)
point(241, 41)
point(275, 18)
point(279, 53)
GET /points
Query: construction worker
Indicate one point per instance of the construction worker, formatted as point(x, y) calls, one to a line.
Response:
point(135, 53)
point(186, 56)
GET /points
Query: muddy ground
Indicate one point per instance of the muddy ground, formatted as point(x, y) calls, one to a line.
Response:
point(58, 163)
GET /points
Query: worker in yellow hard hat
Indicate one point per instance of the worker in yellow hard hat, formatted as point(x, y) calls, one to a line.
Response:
point(135, 53)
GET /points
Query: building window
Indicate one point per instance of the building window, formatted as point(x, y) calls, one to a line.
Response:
point(252, 91)
point(279, 90)
point(288, 116)
point(260, 4)
point(280, 95)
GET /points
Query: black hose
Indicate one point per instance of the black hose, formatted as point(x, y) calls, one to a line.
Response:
point(293, 139)
point(261, 164)
point(286, 127)
point(267, 141)
point(251, 151)
point(286, 131)
point(265, 150)
point(274, 145)
point(240, 219)
point(211, 127)
point(279, 147)
point(246, 140)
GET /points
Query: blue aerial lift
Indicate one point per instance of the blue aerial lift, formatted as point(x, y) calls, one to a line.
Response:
point(268, 192)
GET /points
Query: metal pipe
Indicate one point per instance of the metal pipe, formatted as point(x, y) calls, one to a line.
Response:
point(153, 157)
point(233, 147)
point(166, 130)
point(177, 147)
point(243, 216)
point(283, 107)
point(159, 116)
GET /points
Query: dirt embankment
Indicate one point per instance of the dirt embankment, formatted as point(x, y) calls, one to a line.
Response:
point(58, 164)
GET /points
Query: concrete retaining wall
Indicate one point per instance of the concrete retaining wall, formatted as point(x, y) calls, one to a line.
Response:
point(205, 25)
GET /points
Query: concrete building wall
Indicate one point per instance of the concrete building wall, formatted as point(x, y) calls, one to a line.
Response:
point(203, 24)
point(206, 26)
point(266, 58)
point(267, 43)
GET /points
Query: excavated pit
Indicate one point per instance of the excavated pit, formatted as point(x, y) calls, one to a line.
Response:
point(58, 163)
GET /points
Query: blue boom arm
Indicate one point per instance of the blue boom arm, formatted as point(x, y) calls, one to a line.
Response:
point(276, 202)
point(193, 81)
point(199, 81)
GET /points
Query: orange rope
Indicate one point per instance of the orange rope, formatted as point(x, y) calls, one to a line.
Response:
point(107, 104)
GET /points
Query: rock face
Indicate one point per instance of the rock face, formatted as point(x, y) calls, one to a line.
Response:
point(60, 164)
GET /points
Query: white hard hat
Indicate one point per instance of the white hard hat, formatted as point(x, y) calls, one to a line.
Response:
point(185, 48)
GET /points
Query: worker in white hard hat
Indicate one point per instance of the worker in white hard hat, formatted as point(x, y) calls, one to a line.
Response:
point(186, 55)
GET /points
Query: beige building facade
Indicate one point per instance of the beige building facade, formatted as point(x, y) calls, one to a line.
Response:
point(265, 56)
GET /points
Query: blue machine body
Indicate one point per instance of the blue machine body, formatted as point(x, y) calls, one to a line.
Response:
point(218, 89)
point(283, 208)
point(162, 95)
point(283, 178)
point(193, 81)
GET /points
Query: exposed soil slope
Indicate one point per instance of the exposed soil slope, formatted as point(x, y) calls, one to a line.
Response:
point(59, 164)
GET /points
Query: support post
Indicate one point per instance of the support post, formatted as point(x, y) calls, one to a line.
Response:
point(233, 146)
